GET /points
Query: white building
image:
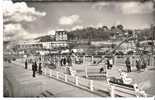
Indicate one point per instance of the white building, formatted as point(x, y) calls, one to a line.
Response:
point(61, 36)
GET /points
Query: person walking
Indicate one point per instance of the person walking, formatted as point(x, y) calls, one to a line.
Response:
point(108, 64)
point(64, 61)
point(127, 62)
point(33, 69)
point(138, 65)
point(144, 65)
point(69, 61)
point(101, 70)
point(36, 67)
point(40, 68)
point(61, 62)
point(26, 64)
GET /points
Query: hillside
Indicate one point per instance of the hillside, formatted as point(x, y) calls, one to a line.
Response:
point(46, 38)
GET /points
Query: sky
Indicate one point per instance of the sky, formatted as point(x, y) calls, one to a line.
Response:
point(30, 20)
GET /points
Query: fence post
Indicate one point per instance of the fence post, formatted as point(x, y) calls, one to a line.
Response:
point(76, 81)
point(91, 85)
point(65, 78)
point(50, 73)
point(106, 73)
point(92, 59)
point(84, 58)
point(112, 91)
point(57, 75)
point(45, 71)
point(86, 73)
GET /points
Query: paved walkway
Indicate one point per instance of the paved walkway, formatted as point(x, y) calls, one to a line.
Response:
point(22, 84)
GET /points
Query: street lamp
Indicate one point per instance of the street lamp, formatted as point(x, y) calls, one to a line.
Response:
point(152, 30)
point(42, 58)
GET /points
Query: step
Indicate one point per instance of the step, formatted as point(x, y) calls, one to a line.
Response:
point(47, 94)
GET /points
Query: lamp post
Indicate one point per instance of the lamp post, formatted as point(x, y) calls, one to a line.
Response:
point(86, 72)
point(42, 58)
point(152, 31)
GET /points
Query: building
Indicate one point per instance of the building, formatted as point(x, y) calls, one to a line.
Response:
point(61, 36)
point(34, 46)
point(29, 46)
point(55, 44)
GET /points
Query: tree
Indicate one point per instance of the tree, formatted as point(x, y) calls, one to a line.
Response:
point(105, 28)
point(112, 28)
point(120, 27)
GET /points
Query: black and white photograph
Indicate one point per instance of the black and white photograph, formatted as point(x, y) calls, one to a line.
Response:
point(92, 48)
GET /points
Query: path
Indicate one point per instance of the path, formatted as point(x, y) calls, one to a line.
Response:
point(24, 85)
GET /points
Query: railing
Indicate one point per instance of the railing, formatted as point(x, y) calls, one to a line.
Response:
point(124, 90)
point(150, 61)
point(75, 80)
point(95, 86)
point(91, 85)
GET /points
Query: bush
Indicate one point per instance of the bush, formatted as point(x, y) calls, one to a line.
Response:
point(130, 52)
point(14, 59)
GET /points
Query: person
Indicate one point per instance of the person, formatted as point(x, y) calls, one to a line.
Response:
point(33, 69)
point(40, 68)
point(69, 61)
point(108, 64)
point(61, 62)
point(25, 64)
point(138, 65)
point(124, 77)
point(64, 61)
point(127, 62)
point(101, 69)
point(36, 67)
point(143, 64)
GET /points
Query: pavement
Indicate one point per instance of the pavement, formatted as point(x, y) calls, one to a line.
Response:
point(144, 79)
point(18, 82)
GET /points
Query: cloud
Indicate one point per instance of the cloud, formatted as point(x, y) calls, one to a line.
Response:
point(13, 32)
point(51, 32)
point(17, 32)
point(100, 5)
point(126, 7)
point(136, 8)
point(99, 25)
point(14, 15)
point(77, 27)
point(68, 20)
point(18, 12)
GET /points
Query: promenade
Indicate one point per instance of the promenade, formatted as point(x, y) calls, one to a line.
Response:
point(20, 83)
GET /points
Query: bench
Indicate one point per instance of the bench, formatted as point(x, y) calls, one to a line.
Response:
point(119, 89)
point(103, 74)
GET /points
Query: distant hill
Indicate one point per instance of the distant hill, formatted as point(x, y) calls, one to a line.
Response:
point(46, 38)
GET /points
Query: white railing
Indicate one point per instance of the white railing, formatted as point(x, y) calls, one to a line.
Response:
point(84, 82)
point(89, 84)
point(124, 91)
point(75, 80)
point(92, 85)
